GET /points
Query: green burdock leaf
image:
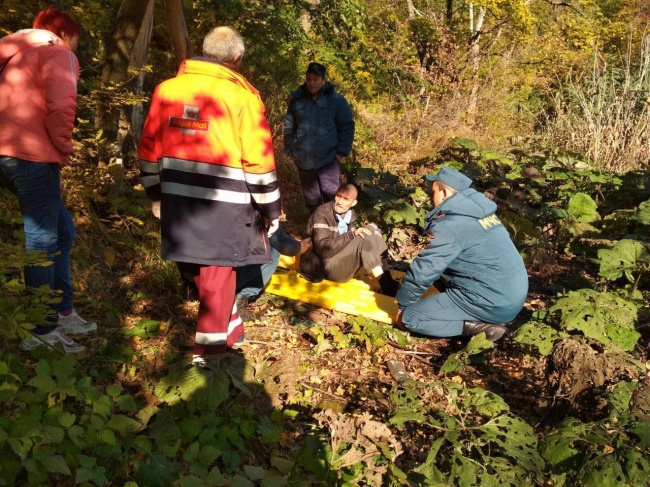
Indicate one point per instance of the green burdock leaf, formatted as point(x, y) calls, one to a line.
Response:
point(538, 335)
point(558, 445)
point(642, 215)
point(468, 144)
point(625, 257)
point(642, 431)
point(487, 155)
point(476, 346)
point(464, 472)
point(401, 211)
point(114, 390)
point(604, 471)
point(637, 467)
point(484, 402)
point(582, 207)
point(517, 440)
point(602, 316)
point(20, 446)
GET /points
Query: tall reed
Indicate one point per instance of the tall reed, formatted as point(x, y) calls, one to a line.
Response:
point(605, 114)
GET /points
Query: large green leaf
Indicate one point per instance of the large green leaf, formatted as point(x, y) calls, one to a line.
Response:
point(559, 444)
point(401, 211)
point(123, 424)
point(602, 316)
point(626, 257)
point(538, 335)
point(477, 346)
point(582, 207)
point(643, 213)
point(604, 471)
point(468, 144)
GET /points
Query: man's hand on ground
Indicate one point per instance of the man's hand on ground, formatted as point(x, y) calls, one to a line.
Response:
point(398, 321)
point(340, 158)
point(155, 209)
point(305, 245)
point(272, 226)
point(362, 232)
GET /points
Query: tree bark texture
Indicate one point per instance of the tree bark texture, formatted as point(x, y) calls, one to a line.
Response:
point(178, 30)
point(120, 47)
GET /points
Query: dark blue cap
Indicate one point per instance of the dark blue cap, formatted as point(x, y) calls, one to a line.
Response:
point(317, 68)
point(451, 178)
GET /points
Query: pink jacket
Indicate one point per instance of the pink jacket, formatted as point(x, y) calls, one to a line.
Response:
point(38, 96)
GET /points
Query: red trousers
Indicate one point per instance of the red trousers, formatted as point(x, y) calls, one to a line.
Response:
point(219, 325)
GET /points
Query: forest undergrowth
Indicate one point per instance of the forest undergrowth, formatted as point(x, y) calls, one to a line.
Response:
point(308, 399)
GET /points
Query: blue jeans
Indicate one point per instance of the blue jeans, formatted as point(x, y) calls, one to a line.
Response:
point(251, 279)
point(47, 223)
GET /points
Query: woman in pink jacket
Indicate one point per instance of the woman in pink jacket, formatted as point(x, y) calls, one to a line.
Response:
point(38, 93)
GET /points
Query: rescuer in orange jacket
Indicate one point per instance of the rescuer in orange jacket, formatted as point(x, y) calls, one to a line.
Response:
point(206, 160)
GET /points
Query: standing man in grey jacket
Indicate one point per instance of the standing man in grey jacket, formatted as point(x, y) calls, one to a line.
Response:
point(318, 135)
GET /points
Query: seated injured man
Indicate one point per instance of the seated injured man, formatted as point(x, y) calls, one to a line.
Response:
point(470, 255)
point(339, 248)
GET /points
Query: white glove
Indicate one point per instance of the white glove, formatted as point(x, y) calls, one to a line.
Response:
point(273, 227)
point(155, 209)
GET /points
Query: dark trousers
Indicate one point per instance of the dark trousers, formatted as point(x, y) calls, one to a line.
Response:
point(365, 252)
point(218, 326)
point(320, 185)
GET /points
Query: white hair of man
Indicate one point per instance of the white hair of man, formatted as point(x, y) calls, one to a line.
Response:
point(224, 44)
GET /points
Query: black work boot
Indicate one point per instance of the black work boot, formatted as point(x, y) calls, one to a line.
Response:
point(244, 313)
point(492, 331)
point(388, 286)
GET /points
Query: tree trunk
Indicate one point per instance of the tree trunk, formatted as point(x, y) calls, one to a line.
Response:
point(474, 60)
point(411, 8)
point(178, 30)
point(119, 50)
point(450, 11)
point(138, 61)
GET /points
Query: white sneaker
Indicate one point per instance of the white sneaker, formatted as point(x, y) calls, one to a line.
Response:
point(56, 336)
point(76, 325)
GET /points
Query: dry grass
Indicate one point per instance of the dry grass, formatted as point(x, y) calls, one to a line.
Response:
point(606, 114)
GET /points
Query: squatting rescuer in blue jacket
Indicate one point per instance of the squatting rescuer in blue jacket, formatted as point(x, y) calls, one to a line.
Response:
point(470, 253)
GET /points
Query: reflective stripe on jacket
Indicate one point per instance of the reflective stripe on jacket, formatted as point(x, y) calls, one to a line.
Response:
point(206, 153)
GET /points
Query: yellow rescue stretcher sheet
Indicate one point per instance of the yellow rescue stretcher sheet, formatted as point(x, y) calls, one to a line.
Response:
point(357, 297)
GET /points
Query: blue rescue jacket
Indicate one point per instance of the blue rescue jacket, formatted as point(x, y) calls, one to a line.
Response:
point(315, 131)
point(473, 254)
